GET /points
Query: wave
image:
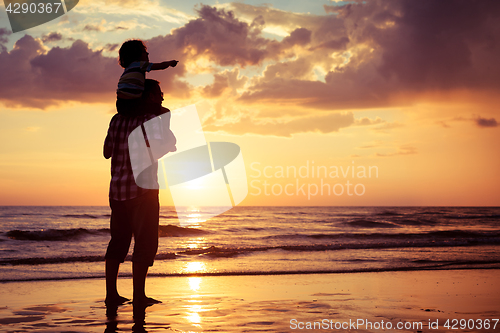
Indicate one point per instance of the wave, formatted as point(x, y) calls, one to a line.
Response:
point(71, 234)
point(458, 265)
point(168, 216)
point(232, 252)
point(81, 216)
point(53, 234)
point(493, 236)
point(362, 223)
point(388, 213)
point(175, 231)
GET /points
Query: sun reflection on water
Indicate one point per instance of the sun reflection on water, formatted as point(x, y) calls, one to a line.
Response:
point(194, 283)
point(194, 316)
point(194, 216)
point(194, 308)
point(195, 267)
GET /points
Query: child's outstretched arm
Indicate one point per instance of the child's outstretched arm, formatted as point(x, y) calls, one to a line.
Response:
point(163, 65)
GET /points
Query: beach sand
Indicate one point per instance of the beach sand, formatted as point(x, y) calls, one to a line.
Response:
point(265, 303)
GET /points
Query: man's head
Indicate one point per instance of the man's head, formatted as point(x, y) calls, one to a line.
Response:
point(152, 91)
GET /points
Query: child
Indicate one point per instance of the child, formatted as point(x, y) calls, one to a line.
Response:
point(134, 58)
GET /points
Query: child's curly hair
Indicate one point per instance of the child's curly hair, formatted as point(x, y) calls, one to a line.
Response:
point(131, 51)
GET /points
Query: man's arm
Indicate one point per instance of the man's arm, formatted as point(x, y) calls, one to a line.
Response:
point(108, 148)
point(163, 65)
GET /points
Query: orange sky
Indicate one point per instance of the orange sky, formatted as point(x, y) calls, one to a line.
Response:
point(410, 89)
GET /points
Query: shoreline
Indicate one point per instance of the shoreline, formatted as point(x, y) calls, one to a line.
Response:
point(248, 303)
point(277, 273)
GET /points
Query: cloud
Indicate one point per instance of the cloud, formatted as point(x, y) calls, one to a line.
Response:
point(476, 120)
point(32, 77)
point(37, 78)
point(52, 37)
point(388, 126)
point(300, 36)
point(362, 55)
point(222, 38)
point(365, 121)
point(323, 123)
point(393, 49)
point(223, 81)
point(403, 150)
point(112, 47)
point(92, 28)
point(483, 122)
point(4, 33)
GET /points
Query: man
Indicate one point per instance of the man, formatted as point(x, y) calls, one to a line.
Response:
point(134, 210)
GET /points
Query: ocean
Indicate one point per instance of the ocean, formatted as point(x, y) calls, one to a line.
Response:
point(53, 243)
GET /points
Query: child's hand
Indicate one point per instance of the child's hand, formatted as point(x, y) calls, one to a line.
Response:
point(173, 63)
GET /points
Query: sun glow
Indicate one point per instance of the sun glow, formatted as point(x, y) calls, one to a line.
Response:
point(195, 267)
point(194, 283)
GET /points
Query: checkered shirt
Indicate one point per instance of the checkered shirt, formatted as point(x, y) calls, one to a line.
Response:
point(122, 186)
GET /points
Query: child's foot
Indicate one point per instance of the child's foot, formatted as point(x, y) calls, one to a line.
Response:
point(145, 301)
point(115, 300)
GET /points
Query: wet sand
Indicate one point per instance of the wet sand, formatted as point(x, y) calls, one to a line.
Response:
point(265, 303)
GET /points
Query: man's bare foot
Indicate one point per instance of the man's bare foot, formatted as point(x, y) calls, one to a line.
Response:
point(116, 300)
point(145, 301)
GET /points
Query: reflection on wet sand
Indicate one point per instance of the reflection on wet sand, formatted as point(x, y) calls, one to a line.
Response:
point(253, 303)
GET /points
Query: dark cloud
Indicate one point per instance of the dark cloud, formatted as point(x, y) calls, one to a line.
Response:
point(92, 28)
point(36, 79)
point(222, 82)
point(483, 122)
point(300, 36)
point(475, 119)
point(334, 44)
point(118, 28)
point(222, 37)
point(52, 37)
point(4, 33)
point(111, 47)
point(367, 54)
point(216, 89)
point(398, 48)
point(33, 77)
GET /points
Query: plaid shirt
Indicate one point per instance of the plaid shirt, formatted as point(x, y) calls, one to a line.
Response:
point(122, 186)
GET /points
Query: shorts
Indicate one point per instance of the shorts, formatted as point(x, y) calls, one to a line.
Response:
point(138, 217)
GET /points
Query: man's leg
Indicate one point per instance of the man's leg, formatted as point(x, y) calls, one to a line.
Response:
point(139, 273)
point(121, 236)
point(112, 296)
point(146, 244)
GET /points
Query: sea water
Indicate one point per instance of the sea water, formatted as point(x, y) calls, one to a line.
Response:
point(38, 243)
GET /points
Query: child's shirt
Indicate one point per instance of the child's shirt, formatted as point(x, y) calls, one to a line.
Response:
point(131, 83)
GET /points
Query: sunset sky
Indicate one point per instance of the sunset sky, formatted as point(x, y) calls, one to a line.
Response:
point(409, 88)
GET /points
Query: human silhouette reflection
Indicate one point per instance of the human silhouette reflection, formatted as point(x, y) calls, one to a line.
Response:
point(139, 316)
point(111, 323)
